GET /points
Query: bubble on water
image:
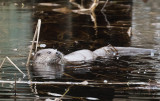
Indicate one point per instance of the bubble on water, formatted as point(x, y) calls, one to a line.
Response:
point(23, 63)
point(15, 49)
point(19, 79)
point(152, 53)
point(43, 45)
point(117, 57)
point(105, 81)
point(92, 98)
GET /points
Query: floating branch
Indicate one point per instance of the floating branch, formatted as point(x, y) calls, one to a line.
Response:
point(37, 31)
point(82, 83)
point(83, 10)
point(94, 5)
point(2, 62)
point(60, 99)
point(65, 93)
point(12, 64)
point(48, 4)
point(15, 85)
point(76, 4)
point(87, 11)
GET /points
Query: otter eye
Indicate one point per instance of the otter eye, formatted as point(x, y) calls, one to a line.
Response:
point(38, 54)
point(49, 52)
point(57, 53)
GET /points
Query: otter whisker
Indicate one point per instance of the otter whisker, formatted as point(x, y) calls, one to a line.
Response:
point(55, 60)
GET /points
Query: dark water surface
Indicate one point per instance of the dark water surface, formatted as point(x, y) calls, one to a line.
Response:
point(124, 78)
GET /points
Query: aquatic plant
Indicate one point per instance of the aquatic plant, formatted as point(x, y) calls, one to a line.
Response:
point(36, 35)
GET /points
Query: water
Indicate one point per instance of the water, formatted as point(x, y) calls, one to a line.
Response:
point(118, 79)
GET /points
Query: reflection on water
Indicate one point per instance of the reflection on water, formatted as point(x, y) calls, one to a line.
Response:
point(118, 78)
point(77, 29)
point(146, 24)
point(48, 71)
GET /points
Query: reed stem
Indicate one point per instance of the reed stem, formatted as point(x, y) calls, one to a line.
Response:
point(2, 62)
point(15, 85)
point(15, 65)
point(34, 37)
point(11, 63)
point(38, 33)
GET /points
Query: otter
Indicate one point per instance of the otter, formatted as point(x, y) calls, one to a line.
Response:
point(53, 56)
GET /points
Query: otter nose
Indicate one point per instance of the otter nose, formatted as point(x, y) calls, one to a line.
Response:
point(58, 54)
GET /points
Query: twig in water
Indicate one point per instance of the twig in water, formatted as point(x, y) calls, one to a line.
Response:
point(76, 4)
point(102, 11)
point(35, 35)
point(94, 5)
point(2, 62)
point(15, 85)
point(79, 83)
point(105, 18)
point(65, 92)
point(12, 64)
point(129, 32)
point(104, 5)
point(38, 32)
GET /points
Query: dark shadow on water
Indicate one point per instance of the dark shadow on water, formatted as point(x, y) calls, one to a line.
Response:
point(69, 31)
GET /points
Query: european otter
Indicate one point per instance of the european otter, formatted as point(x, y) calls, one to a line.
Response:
point(53, 56)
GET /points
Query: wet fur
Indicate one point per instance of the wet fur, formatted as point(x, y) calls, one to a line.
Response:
point(49, 56)
point(52, 56)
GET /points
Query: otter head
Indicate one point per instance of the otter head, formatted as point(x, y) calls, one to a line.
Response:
point(49, 56)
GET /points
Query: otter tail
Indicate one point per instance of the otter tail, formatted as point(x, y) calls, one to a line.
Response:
point(122, 51)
